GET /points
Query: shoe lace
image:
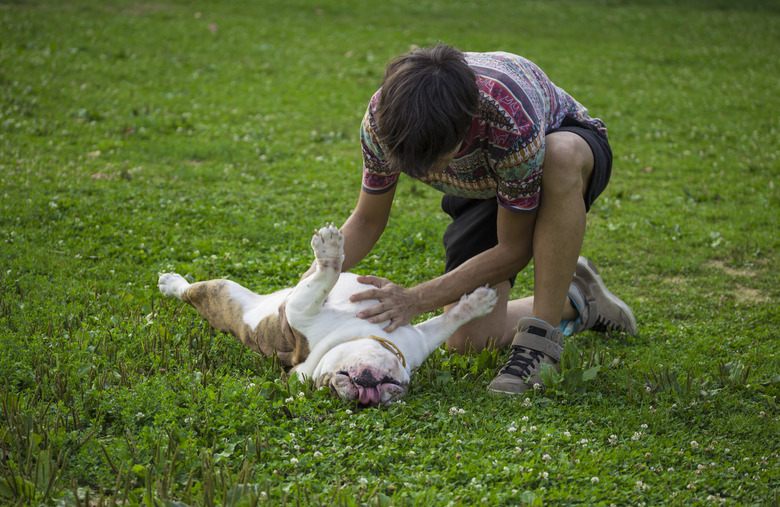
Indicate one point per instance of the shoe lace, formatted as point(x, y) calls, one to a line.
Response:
point(521, 361)
point(603, 325)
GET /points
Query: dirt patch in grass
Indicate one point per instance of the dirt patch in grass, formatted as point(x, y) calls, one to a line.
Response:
point(742, 294)
point(720, 265)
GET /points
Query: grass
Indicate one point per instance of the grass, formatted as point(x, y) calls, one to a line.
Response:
point(211, 138)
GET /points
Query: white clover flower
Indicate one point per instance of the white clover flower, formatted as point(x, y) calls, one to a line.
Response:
point(532, 428)
point(694, 444)
point(410, 453)
point(612, 439)
point(289, 400)
point(294, 461)
point(644, 426)
point(567, 434)
point(546, 457)
point(362, 481)
point(525, 417)
point(512, 429)
point(544, 475)
point(594, 480)
point(537, 386)
point(301, 394)
point(317, 454)
point(636, 436)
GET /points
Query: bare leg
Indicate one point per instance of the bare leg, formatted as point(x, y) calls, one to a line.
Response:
point(484, 332)
point(560, 224)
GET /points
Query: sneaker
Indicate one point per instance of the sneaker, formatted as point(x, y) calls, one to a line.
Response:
point(536, 343)
point(600, 310)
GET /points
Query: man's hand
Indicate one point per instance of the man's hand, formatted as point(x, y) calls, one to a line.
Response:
point(396, 304)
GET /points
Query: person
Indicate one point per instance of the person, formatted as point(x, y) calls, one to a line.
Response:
point(519, 162)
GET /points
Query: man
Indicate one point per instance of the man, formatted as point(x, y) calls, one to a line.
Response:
point(520, 162)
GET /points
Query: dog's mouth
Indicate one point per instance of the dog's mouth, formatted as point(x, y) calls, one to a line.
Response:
point(370, 388)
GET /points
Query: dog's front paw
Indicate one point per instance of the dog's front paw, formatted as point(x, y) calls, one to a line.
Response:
point(172, 285)
point(328, 246)
point(477, 304)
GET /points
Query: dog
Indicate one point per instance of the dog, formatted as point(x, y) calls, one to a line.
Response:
point(355, 358)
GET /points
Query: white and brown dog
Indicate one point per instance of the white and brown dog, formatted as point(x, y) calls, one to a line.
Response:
point(355, 358)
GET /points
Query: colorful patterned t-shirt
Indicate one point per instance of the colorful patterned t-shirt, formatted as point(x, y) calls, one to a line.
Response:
point(503, 156)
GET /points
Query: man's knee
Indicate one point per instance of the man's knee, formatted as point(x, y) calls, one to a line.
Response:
point(568, 164)
point(477, 335)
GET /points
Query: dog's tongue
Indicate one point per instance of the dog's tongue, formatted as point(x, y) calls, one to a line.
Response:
point(368, 395)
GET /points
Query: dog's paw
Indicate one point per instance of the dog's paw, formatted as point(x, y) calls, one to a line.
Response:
point(328, 245)
point(477, 304)
point(172, 285)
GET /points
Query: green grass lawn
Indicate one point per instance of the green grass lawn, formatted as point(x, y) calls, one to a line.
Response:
point(212, 138)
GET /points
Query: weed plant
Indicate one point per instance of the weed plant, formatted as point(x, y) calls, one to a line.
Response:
point(211, 138)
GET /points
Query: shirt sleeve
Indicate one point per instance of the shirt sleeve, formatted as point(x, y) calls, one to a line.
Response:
point(378, 178)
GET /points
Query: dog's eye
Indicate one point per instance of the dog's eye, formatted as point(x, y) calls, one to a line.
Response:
point(388, 380)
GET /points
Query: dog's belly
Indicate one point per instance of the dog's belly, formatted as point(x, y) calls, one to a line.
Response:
point(337, 305)
point(261, 307)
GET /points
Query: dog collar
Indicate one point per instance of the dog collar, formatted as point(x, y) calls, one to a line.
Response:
point(392, 347)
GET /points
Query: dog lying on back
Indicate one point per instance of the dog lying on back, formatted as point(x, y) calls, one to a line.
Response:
point(355, 358)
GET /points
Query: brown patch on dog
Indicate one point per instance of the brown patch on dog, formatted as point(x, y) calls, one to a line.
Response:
point(213, 302)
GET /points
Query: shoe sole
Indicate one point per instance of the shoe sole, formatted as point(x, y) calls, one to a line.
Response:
point(499, 391)
point(593, 272)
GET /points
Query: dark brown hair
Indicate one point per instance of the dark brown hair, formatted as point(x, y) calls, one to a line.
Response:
point(429, 97)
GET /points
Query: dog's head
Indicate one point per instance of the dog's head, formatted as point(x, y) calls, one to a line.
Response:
point(369, 370)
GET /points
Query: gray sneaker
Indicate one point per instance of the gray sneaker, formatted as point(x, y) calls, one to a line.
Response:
point(535, 343)
point(600, 310)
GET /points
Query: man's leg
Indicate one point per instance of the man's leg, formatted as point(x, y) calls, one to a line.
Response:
point(560, 229)
point(484, 332)
point(560, 224)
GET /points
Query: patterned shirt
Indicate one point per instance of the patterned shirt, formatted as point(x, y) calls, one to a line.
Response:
point(503, 156)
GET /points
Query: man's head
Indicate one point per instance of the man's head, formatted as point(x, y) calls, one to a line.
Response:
point(429, 98)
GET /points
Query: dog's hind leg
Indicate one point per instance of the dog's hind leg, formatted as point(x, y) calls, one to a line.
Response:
point(172, 285)
point(307, 298)
point(222, 303)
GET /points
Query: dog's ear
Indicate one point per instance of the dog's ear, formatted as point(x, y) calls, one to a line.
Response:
point(323, 380)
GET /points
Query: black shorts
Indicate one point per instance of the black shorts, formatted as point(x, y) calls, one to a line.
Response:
point(473, 226)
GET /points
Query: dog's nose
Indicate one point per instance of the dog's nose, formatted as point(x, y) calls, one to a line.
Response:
point(366, 379)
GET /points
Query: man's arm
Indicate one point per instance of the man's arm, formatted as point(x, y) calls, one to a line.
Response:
point(365, 225)
point(512, 253)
